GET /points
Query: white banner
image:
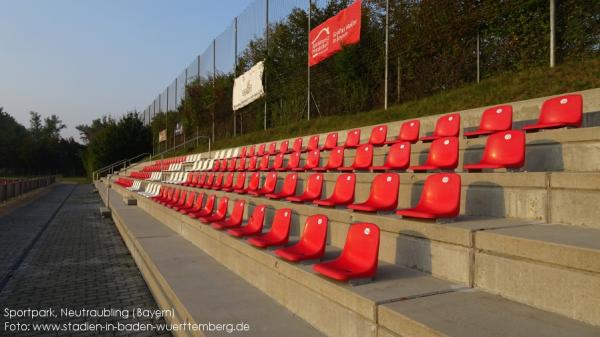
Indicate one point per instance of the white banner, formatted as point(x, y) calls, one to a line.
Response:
point(248, 87)
point(162, 136)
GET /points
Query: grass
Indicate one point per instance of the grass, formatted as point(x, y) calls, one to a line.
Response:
point(508, 87)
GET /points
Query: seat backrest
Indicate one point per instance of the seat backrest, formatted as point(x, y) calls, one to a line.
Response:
point(264, 162)
point(231, 164)
point(284, 146)
point(240, 181)
point(175, 196)
point(210, 203)
point(497, 118)
point(289, 184)
point(243, 152)
point(278, 161)
point(228, 180)
point(280, 228)
point(261, 149)
point(219, 180)
point(505, 148)
point(257, 218)
point(202, 179)
point(384, 191)
point(199, 201)
point(314, 185)
point(344, 187)
point(362, 246)
point(567, 109)
point(210, 181)
point(251, 150)
point(443, 153)
point(297, 147)
point(312, 159)
point(331, 141)
point(223, 165)
point(447, 126)
point(293, 160)
point(398, 156)
point(252, 163)
point(364, 157)
point(314, 235)
point(237, 213)
point(441, 193)
point(222, 207)
point(378, 135)
point(336, 158)
point(409, 131)
point(182, 197)
point(270, 182)
point(273, 148)
point(254, 181)
point(352, 138)
point(190, 199)
point(313, 143)
point(241, 164)
point(216, 165)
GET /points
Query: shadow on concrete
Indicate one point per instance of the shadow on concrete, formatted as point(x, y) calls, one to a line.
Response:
point(484, 198)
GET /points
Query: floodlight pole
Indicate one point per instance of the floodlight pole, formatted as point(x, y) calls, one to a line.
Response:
point(385, 85)
point(308, 63)
point(552, 31)
point(266, 55)
point(235, 65)
point(214, 79)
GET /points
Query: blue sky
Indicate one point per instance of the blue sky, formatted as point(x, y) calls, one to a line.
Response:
point(82, 59)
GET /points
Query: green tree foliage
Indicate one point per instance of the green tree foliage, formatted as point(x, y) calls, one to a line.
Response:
point(38, 149)
point(110, 140)
point(432, 48)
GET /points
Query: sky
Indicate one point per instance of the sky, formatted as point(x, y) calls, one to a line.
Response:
point(83, 59)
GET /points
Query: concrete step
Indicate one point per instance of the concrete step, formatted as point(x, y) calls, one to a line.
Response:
point(553, 267)
point(198, 288)
point(381, 308)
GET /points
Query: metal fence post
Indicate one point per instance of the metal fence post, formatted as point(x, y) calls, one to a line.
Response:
point(214, 81)
point(308, 63)
point(385, 85)
point(478, 57)
point(552, 31)
point(235, 64)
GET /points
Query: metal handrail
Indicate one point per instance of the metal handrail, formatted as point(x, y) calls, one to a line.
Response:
point(125, 162)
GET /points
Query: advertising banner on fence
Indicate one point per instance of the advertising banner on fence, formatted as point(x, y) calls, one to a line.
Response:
point(178, 129)
point(248, 87)
point(329, 37)
point(162, 136)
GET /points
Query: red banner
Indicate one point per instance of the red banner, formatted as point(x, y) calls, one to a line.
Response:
point(329, 37)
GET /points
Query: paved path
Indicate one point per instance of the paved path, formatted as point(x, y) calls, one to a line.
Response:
point(56, 252)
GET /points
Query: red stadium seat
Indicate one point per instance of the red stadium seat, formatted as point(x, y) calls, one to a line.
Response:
point(210, 180)
point(383, 195)
point(173, 199)
point(180, 202)
point(440, 198)
point(293, 162)
point(279, 233)
point(335, 161)
point(288, 189)
point(252, 164)
point(206, 210)
point(312, 161)
point(559, 112)
point(235, 219)
point(220, 213)
point(240, 181)
point(297, 147)
point(363, 159)
point(216, 165)
point(502, 150)
point(196, 207)
point(252, 184)
point(218, 182)
point(189, 179)
point(313, 144)
point(261, 150)
point(241, 164)
point(264, 163)
point(272, 148)
point(189, 203)
point(194, 179)
point(343, 192)
point(231, 165)
point(268, 186)
point(164, 192)
point(223, 166)
point(443, 155)
point(251, 150)
point(228, 182)
point(359, 257)
point(201, 180)
point(312, 242)
point(378, 135)
point(352, 138)
point(494, 119)
point(330, 142)
point(284, 147)
point(314, 186)
point(446, 126)
point(278, 162)
point(409, 132)
point(398, 158)
point(254, 225)
point(242, 152)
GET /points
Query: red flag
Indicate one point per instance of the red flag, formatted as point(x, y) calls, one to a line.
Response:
point(329, 37)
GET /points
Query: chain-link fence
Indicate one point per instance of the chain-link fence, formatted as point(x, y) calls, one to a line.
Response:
point(408, 49)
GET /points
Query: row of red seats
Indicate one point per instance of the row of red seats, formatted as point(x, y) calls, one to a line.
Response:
point(124, 182)
point(140, 175)
point(359, 257)
point(156, 167)
point(169, 161)
point(502, 150)
point(440, 197)
point(556, 112)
